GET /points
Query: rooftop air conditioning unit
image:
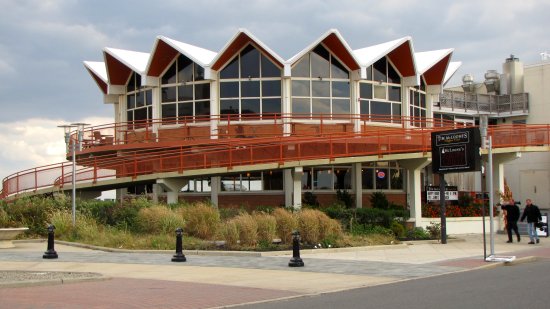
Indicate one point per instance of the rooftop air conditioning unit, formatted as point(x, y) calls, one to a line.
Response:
point(468, 83)
point(492, 81)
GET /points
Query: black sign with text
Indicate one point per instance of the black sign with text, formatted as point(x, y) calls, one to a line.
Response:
point(456, 151)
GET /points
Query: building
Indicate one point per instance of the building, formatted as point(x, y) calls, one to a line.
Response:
point(243, 126)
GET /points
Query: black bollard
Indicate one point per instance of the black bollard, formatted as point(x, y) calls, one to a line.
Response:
point(50, 253)
point(296, 261)
point(179, 257)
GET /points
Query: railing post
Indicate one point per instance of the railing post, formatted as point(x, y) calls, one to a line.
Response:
point(95, 171)
point(35, 180)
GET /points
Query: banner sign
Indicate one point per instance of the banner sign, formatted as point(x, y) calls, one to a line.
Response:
point(456, 151)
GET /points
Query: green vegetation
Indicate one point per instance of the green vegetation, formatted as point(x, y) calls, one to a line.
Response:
point(140, 224)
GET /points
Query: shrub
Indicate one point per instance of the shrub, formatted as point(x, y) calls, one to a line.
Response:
point(308, 225)
point(267, 227)
point(344, 197)
point(4, 218)
point(369, 229)
point(379, 200)
point(63, 222)
point(230, 234)
point(286, 223)
point(398, 229)
point(158, 219)
point(329, 229)
point(247, 228)
point(310, 200)
point(417, 233)
point(33, 213)
point(434, 230)
point(201, 220)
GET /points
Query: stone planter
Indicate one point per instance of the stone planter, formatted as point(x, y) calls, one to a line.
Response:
point(9, 234)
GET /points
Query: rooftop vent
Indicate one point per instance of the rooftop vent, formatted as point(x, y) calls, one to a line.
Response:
point(492, 81)
point(468, 83)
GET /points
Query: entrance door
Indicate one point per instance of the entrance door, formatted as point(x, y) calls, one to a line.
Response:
point(535, 184)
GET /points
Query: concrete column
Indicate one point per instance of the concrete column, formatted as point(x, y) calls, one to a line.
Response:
point(357, 184)
point(498, 171)
point(157, 190)
point(288, 185)
point(287, 106)
point(172, 186)
point(121, 193)
point(297, 188)
point(414, 189)
point(215, 186)
point(214, 109)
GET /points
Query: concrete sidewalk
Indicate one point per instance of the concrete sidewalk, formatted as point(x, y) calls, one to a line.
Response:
point(206, 281)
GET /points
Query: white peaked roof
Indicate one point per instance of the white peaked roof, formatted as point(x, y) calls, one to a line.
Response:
point(199, 55)
point(304, 51)
point(261, 44)
point(369, 55)
point(426, 60)
point(97, 68)
point(137, 61)
point(451, 70)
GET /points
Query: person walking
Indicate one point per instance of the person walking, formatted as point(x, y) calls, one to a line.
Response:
point(532, 213)
point(512, 217)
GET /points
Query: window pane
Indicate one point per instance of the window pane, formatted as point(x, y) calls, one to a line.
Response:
point(365, 110)
point(185, 73)
point(320, 65)
point(130, 101)
point(340, 89)
point(199, 72)
point(168, 110)
point(185, 109)
point(170, 76)
point(131, 86)
point(130, 116)
point(381, 178)
point(300, 88)
point(340, 106)
point(202, 91)
point(229, 90)
point(231, 70)
point(338, 70)
point(140, 114)
point(250, 89)
point(393, 76)
point(140, 99)
point(369, 73)
point(229, 107)
point(273, 180)
point(396, 179)
point(396, 109)
point(271, 106)
point(168, 94)
point(342, 178)
point(301, 69)
point(149, 97)
point(379, 92)
point(250, 62)
point(422, 100)
point(379, 69)
point(380, 108)
point(300, 106)
point(322, 179)
point(320, 106)
point(271, 88)
point(365, 91)
point(367, 181)
point(185, 93)
point(394, 93)
point(202, 108)
point(269, 69)
point(320, 89)
point(250, 106)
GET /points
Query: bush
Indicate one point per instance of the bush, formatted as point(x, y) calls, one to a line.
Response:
point(286, 223)
point(308, 225)
point(370, 229)
point(267, 227)
point(247, 229)
point(330, 230)
point(34, 213)
point(434, 230)
point(417, 233)
point(379, 200)
point(158, 219)
point(398, 229)
point(230, 234)
point(344, 197)
point(63, 222)
point(201, 220)
point(310, 200)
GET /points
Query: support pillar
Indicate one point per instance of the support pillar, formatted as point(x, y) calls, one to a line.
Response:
point(157, 190)
point(414, 182)
point(357, 184)
point(297, 188)
point(288, 185)
point(172, 186)
point(215, 186)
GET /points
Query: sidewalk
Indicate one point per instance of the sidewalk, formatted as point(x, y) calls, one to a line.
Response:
point(139, 279)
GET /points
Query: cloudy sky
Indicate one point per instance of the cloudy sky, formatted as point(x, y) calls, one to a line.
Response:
point(44, 42)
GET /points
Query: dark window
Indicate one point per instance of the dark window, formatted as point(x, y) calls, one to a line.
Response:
point(170, 76)
point(202, 108)
point(250, 106)
point(202, 91)
point(320, 89)
point(340, 106)
point(338, 70)
point(231, 70)
point(229, 107)
point(340, 89)
point(320, 62)
point(381, 179)
point(185, 93)
point(185, 109)
point(365, 110)
point(393, 76)
point(320, 106)
point(379, 68)
point(394, 93)
point(300, 88)
point(169, 110)
point(269, 69)
point(271, 88)
point(229, 90)
point(301, 69)
point(365, 91)
point(271, 106)
point(250, 89)
point(185, 72)
point(250, 62)
point(300, 106)
point(168, 94)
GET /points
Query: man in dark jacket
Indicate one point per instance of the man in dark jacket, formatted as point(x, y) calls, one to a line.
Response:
point(512, 217)
point(532, 213)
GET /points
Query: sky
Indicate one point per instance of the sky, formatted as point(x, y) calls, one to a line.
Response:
point(43, 44)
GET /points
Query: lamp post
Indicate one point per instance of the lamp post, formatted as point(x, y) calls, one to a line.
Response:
point(72, 144)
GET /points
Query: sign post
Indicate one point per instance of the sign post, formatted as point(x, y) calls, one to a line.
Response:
point(454, 151)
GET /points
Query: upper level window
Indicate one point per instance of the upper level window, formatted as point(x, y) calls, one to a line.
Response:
point(139, 102)
point(417, 105)
point(380, 95)
point(320, 84)
point(185, 95)
point(250, 86)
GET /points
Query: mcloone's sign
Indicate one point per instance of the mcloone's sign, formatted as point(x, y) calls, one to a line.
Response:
point(456, 151)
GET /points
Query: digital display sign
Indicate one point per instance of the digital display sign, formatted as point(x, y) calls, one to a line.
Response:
point(456, 151)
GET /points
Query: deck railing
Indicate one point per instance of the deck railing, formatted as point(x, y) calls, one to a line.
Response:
point(497, 105)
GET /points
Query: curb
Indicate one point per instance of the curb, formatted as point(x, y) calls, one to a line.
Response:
point(47, 282)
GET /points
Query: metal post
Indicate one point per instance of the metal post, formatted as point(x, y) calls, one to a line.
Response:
point(296, 261)
point(74, 183)
point(179, 257)
point(443, 208)
point(490, 174)
point(50, 253)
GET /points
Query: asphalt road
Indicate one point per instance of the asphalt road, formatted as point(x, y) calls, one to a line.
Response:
point(523, 285)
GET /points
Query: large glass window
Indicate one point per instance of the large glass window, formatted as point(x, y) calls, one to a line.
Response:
point(380, 95)
point(382, 176)
point(185, 95)
point(253, 181)
point(139, 102)
point(332, 178)
point(320, 84)
point(417, 106)
point(250, 86)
